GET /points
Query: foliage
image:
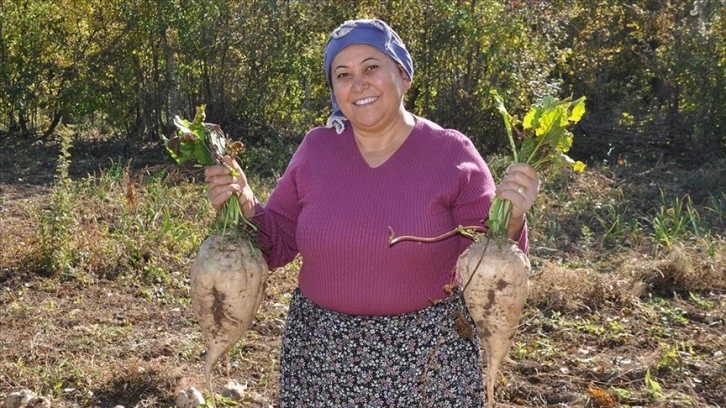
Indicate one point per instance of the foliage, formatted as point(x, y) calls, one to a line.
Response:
point(543, 140)
point(134, 65)
point(661, 65)
point(204, 144)
point(193, 144)
point(58, 221)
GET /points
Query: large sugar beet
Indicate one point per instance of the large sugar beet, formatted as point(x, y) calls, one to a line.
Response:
point(228, 280)
point(495, 280)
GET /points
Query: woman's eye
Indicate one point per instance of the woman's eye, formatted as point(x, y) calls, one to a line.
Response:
point(372, 67)
point(343, 75)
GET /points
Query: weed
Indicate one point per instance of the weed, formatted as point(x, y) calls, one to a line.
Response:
point(108, 181)
point(587, 326)
point(676, 220)
point(675, 356)
point(652, 386)
point(610, 220)
point(615, 327)
point(718, 208)
point(519, 351)
point(220, 400)
point(57, 222)
point(64, 377)
point(621, 393)
point(587, 238)
point(671, 315)
point(701, 302)
point(153, 274)
point(617, 227)
point(552, 229)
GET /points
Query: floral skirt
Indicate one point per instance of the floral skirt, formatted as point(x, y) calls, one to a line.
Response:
point(416, 359)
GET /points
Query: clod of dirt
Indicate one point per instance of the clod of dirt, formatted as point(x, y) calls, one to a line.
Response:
point(189, 398)
point(19, 398)
point(255, 400)
point(235, 391)
point(38, 402)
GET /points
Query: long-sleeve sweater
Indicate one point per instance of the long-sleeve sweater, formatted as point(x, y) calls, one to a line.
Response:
point(337, 213)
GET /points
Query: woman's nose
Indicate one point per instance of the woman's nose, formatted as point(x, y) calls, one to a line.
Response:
point(359, 83)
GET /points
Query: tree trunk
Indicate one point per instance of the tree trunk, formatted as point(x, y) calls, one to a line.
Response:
point(57, 116)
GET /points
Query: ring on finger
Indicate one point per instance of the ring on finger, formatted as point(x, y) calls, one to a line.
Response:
point(520, 189)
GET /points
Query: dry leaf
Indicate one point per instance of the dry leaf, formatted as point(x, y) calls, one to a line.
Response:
point(602, 398)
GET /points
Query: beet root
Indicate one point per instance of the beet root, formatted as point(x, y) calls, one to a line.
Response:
point(228, 279)
point(495, 280)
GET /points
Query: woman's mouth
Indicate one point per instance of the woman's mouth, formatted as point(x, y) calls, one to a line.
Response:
point(366, 101)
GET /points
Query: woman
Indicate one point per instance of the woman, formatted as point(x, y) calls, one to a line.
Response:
point(371, 324)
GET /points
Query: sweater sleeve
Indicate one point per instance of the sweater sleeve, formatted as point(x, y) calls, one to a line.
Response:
point(277, 219)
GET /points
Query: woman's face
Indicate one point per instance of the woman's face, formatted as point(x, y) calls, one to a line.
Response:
point(369, 87)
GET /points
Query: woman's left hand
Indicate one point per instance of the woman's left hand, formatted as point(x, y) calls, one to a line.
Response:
point(520, 185)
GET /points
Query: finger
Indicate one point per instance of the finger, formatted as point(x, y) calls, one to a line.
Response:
point(521, 168)
point(225, 190)
point(220, 195)
point(528, 181)
point(519, 192)
point(522, 173)
point(215, 171)
point(516, 185)
point(224, 182)
point(231, 162)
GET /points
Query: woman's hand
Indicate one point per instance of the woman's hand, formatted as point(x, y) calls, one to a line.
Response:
point(221, 185)
point(520, 185)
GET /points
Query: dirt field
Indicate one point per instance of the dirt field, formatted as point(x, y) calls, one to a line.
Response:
point(592, 335)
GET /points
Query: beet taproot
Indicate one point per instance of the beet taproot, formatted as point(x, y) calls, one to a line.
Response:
point(495, 279)
point(228, 279)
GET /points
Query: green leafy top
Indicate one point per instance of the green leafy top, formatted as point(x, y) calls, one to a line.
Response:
point(544, 138)
point(197, 143)
point(189, 146)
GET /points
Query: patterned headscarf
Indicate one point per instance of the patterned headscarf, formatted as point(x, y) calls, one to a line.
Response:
point(375, 33)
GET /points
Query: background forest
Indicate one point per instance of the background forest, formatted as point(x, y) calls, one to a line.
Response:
point(654, 71)
point(98, 227)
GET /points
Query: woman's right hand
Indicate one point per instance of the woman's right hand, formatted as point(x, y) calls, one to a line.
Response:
point(221, 185)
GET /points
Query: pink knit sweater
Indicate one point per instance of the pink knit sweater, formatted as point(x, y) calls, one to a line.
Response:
point(337, 212)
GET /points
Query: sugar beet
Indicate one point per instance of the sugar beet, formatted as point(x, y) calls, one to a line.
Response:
point(228, 280)
point(495, 280)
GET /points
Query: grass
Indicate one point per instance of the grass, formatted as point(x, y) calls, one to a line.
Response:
point(627, 307)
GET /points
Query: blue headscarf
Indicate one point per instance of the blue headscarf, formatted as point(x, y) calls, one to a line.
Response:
point(375, 33)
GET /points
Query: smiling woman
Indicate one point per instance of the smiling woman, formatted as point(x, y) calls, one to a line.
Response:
point(372, 324)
